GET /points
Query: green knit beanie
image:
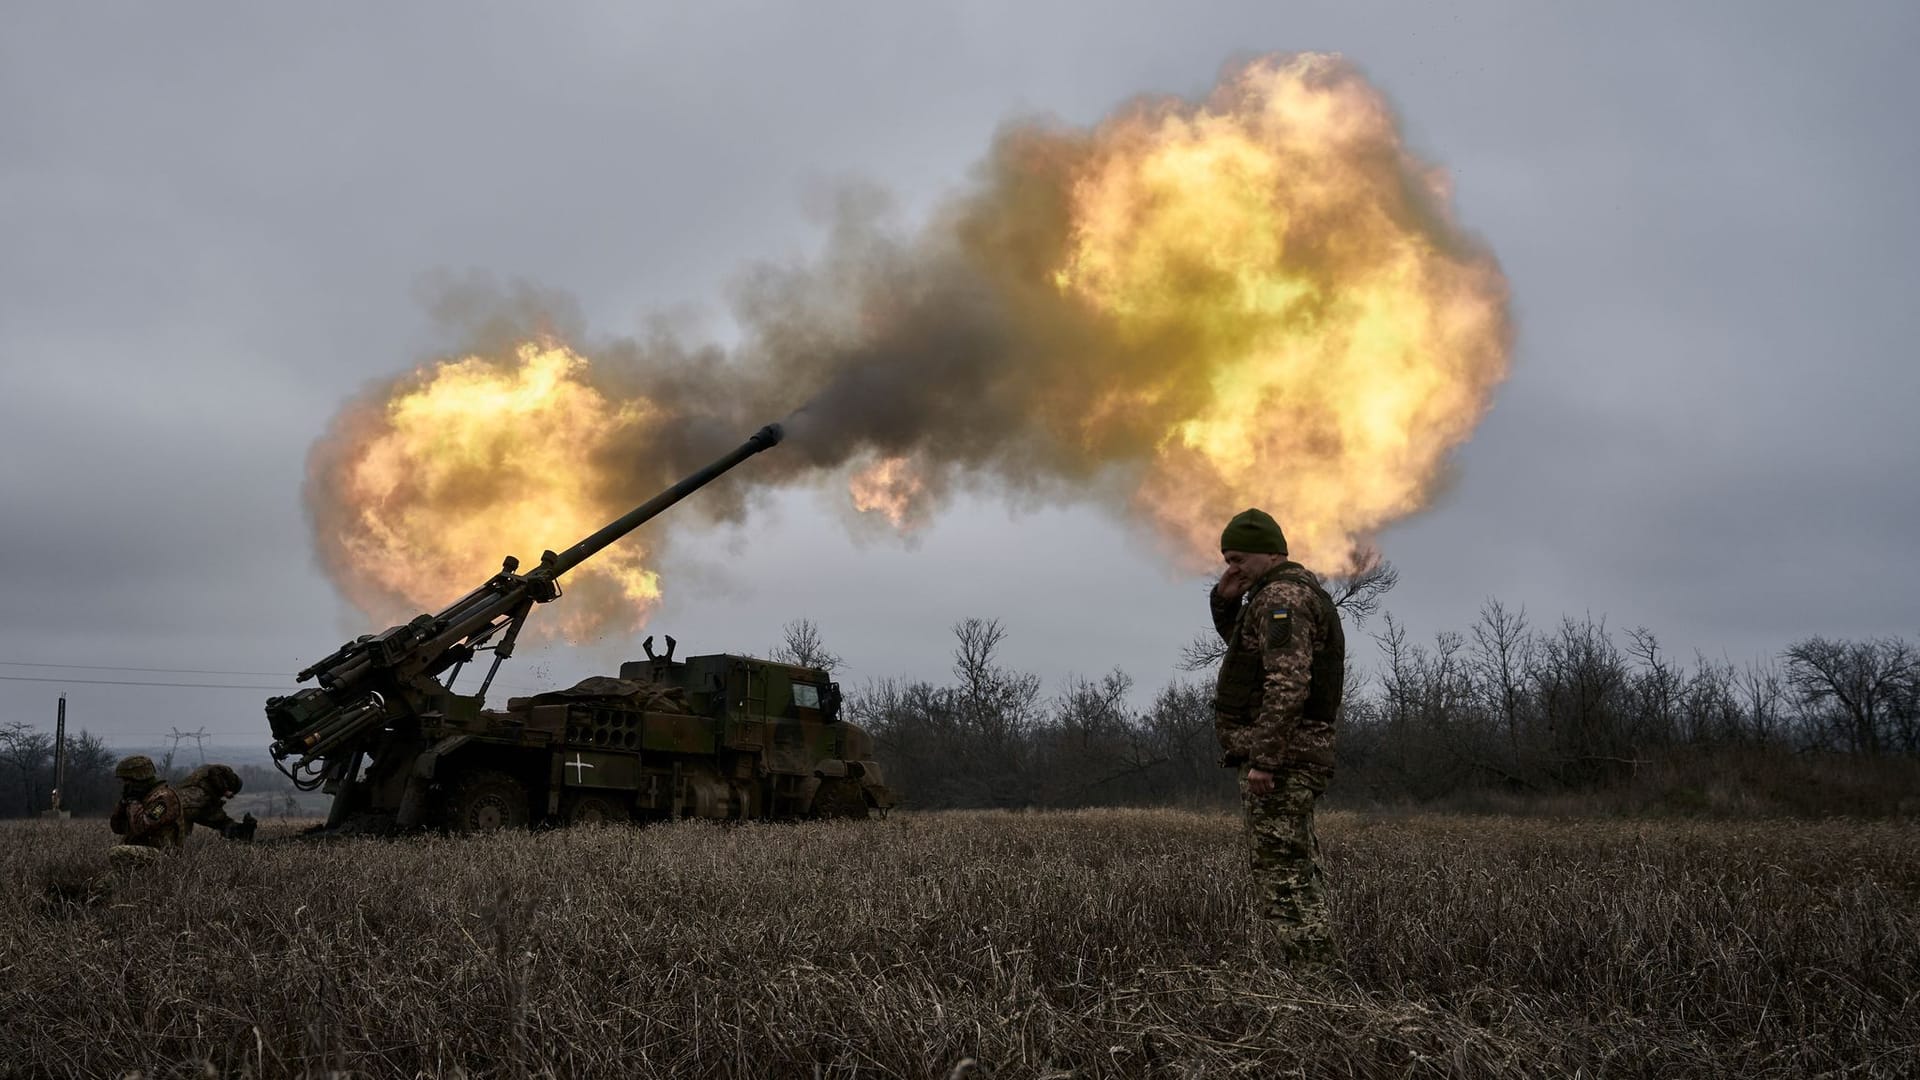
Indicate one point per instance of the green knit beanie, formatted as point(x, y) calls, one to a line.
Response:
point(1254, 531)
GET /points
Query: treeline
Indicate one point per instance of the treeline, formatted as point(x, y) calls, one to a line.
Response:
point(990, 738)
point(1575, 706)
point(27, 768)
point(27, 775)
point(1502, 708)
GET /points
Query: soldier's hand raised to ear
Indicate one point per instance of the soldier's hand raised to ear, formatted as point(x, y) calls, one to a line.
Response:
point(1233, 584)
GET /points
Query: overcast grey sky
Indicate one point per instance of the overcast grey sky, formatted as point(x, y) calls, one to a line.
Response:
point(217, 222)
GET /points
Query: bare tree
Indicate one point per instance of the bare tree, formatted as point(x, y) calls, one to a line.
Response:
point(801, 646)
point(1502, 652)
point(1448, 689)
point(1203, 652)
point(1658, 687)
point(91, 784)
point(995, 702)
point(1761, 692)
point(1207, 647)
point(920, 739)
point(1397, 683)
point(1359, 594)
point(1580, 677)
point(974, 656)
point(1853, 688)
point(1709, 702)
point(24, 753)
point(1179, 728)
point(1088, 711)
point(1904, 710)
point(1091, 746)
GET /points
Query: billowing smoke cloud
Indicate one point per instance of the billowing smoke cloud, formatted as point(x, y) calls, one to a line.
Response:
point(1259, 299)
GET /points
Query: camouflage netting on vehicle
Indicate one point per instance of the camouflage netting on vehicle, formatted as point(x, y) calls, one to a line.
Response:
point(653, 697)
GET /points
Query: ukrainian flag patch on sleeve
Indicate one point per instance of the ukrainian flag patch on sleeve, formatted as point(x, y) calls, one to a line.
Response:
point(1279, 628)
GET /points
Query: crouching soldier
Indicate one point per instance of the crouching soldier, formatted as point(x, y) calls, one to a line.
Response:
point(203, 799)
point(148, 814)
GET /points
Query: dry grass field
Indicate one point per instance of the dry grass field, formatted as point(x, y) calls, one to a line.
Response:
point(1097, 943)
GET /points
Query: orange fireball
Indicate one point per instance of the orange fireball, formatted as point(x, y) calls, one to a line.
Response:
point(892, 487)
point(422, 493)
point(1342, 338)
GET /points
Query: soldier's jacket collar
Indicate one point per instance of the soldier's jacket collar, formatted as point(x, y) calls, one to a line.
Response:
point(1281, 570)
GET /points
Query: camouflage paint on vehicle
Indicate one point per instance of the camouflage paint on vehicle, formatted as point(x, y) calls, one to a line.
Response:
point(722, 736)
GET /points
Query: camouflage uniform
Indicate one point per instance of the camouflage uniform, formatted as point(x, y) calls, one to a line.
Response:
point(203, 797)
point(148, 813)
point(1278, 694)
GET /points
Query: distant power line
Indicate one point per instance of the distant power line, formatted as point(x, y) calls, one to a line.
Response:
point(136, 682)
point(123, 667)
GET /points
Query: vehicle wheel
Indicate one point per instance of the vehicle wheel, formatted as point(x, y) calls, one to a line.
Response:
point(839, 797)
point(583, 809)
point(486, 801)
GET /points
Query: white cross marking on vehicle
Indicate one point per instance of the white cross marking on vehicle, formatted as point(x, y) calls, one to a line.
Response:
point(577, 765)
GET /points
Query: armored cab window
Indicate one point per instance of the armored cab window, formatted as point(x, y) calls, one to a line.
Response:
point(805, 696)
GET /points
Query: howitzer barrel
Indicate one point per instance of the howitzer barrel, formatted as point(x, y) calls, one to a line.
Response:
point(639, 515)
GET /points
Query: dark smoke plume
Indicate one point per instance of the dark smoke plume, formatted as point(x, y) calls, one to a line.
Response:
point(1190, 308)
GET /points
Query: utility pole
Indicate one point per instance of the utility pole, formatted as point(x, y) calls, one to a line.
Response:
point(59, 759)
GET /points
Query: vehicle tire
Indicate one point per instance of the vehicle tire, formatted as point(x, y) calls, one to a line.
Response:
point(487, 801)
point(839, 797)
point(595, 809)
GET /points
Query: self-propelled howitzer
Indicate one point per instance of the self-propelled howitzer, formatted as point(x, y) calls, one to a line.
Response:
point(384, 732)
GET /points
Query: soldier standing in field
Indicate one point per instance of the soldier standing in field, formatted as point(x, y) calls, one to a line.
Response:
point(148, 814)
point(1274, 709)
point(203, 797)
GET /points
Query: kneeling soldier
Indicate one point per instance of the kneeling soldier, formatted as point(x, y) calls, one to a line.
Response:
point(203, 797)
point(148, 814)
